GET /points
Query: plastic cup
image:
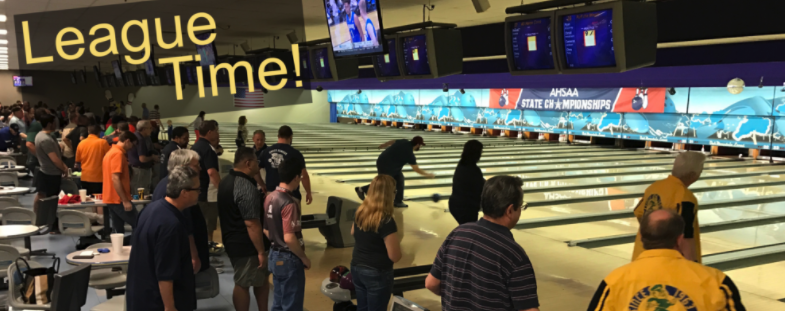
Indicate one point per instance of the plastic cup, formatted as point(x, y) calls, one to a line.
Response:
point(141, 192)
point(83, 195)
point(98, 196)
point(117, 242)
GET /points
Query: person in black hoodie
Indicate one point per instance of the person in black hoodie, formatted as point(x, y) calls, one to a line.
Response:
point(467, 183)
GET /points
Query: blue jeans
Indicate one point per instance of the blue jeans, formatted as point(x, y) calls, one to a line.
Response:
point(120, 217)
point(288, 281)
point(373, 288)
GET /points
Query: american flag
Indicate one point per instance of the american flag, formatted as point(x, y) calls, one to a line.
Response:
point(245, 99)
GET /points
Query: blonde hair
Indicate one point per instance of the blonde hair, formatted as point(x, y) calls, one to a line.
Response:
point(378, 204)
point(688, 163)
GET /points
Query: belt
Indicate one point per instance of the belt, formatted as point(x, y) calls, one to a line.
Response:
point(280, 250)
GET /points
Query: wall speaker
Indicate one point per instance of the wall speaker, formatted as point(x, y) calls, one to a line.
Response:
point(481, 5)
point(292, 37)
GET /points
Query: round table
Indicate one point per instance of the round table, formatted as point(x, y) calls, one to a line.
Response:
point(107, 259)
point(14, 190)
point(17, 231)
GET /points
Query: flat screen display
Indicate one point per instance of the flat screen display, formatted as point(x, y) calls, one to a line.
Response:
point(322, 66)
point(531, 44)
point(118, 72)
point(588, 39)
point(149, 66)
point(415, 55)
point(170, 75)
point(355, 27)
point(190, 73)
point(207, 52)
point(388, 63)
point(305, 63)
point(23, 81)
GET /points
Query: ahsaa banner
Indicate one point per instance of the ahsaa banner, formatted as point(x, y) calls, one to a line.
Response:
point(639, 100)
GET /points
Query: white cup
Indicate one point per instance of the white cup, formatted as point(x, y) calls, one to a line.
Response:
point(83, 195)
point(117, 242)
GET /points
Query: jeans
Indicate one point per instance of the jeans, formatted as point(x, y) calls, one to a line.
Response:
point(399, 185)
point(120, 217)
point(288, 281)
point(373, 287)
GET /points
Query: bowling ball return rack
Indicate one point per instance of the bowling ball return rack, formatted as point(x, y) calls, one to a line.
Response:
point(405, 279)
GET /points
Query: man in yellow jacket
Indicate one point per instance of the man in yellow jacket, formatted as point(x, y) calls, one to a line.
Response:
point(672, 193)
point(661, 279)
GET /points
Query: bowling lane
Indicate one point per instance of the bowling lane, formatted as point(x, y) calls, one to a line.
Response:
point(373, 154)
point(485, 159)
point(710, 168)
point(511, 170)
point(597, 193)
point(513, 163)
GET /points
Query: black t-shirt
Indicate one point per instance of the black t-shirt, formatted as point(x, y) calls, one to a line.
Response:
point(467, 183)
point(76, 136)
point(165, 153)
point(207, 159)
point(162, 252)
point(392, 159)
point(272, 157)
point(369, 247)
point(258, 153)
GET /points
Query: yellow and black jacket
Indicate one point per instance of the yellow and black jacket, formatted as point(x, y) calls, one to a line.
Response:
point(663, 280)
point(670, 193)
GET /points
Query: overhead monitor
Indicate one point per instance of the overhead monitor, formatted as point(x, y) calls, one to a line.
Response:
point(387, 66)
point(82, 76)
point(608, 37)
point(130, 79)
point(305, 64)
point(20, 81)
point(142, 77)
point(98, 80)
point(110, 80)
point(355, 27)
point(118, 69)
point(530, 44)
point(431, 53)
point(326, 68)
point(207, 52)
point(73, 77)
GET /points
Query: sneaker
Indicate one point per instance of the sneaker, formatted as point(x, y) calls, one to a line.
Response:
point(360, 193)
point(400, 204)
point(216, 262)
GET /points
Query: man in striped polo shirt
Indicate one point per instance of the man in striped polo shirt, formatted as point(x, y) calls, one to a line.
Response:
point(480, 266)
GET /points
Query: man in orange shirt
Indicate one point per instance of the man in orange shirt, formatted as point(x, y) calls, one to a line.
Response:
point(90, 156)
point(117, 184)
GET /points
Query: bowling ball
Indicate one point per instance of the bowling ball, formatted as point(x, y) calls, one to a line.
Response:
point(436, 197)
point(637, 102)
point(347, 282)
point(338, 272)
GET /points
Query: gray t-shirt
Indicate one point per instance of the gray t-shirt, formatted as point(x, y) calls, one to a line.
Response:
point(45, 144)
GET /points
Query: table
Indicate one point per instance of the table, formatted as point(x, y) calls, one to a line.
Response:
point(108, 259)
point(20, 231)
point(14, 190)
point(107, 228)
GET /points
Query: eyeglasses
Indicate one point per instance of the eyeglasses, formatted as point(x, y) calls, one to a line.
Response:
point(193, 189)
point(525, 206)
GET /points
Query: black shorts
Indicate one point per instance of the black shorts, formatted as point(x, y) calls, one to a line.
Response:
point(49, 185)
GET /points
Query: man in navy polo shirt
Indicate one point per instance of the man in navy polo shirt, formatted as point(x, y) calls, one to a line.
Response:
point(209, 178)
point(9, 137)
point(277, 153)
point(160, 274)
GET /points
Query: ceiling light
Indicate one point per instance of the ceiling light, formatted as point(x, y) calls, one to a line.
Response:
point(3, 32)
point(3, 41)
point(3, 51)
point(2, 18)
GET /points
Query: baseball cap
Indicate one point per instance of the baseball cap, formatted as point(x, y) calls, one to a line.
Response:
point(14, 127)
point(417, 140)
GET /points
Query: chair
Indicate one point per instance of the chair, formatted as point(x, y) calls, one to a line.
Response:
point(7, 160)
point(6, 202)
point(18, 216)
point(70, 289)
point(45, 219)
point(9, 178)
point(8, 254)
point(14, 300)
point(105, 277)
point(76, 223)
point(207, 285)
point(69, 186)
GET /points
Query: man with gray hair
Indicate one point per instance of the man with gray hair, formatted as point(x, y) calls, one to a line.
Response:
point(672, 193)
point(160, 274)
point(142, 159)
point(195, 223)
point(661, 278)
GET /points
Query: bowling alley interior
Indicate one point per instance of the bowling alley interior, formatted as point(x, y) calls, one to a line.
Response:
point(589, 104)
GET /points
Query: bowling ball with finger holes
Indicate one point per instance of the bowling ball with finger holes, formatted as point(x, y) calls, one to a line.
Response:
point(337, 273)
point(347, 282)
point(436, 197)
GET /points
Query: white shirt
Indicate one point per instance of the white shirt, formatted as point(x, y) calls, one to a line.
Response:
point(129, 110)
